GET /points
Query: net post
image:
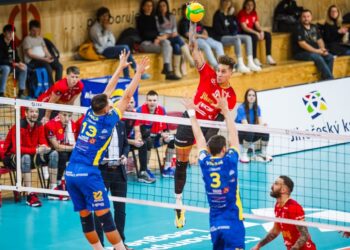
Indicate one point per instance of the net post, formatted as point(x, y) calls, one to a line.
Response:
point(18, 146)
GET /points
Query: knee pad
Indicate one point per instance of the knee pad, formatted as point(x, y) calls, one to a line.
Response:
point(87, 223)
point(107, 222)
point(180, 171)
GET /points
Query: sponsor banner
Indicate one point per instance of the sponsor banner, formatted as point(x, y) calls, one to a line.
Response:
point(319, 107)
point(94, 86)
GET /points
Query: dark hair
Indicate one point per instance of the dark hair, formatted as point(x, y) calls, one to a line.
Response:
point(288, 182)
point(152, 92)
point(34, 24)
point(99, 102)
point(305, 11)
point(226, 60)
point(8, 28)
point(73, 69)
point(167, 14)
point(143, 3)
point(183, 9)
point(101, 11)
point(247, 1)
point(255, 106)
point(216, 143)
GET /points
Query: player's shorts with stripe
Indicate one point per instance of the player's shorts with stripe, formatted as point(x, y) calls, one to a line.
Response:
point(86, 187)
point(184, 135)
point(227, 235)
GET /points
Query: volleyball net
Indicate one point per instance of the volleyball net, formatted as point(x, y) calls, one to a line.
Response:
point(318, 164)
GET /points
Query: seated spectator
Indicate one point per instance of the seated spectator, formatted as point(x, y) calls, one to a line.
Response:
point(166, 24)
point(249, 21)
point(249, 112)
point(34, 152)
point(61, 132)
point(36, 54)
point(152, 42)
point(286, 16)
point(155, 133)
point(225, 27)
point(205, 42)
point(65, 91)
point(9, 59)
point(308, 46)
point(105, 42)
point(335, 35)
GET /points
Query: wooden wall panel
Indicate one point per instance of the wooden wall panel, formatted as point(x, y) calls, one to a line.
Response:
point(66, 22)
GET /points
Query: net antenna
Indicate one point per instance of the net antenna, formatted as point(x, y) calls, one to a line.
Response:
point(14, 61)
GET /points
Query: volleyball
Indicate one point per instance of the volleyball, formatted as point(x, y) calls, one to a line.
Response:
point(195, 12)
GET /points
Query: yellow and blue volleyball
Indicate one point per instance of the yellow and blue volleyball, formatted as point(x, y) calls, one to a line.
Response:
point(195, 12)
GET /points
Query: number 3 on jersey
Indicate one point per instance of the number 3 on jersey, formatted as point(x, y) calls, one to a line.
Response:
point(215, 180)
point(91, 130)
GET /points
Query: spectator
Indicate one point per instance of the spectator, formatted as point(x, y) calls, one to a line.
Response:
point(336, 35)
point(113, 170)
point(205, 42)
point(34, 151)
point(155, 134)
point(166, 24)
point(105, 41)
point(36, 54)
point(9, 59)
point(249, 112)
point(61, 133)
point(295, 237)
point(286, 16)
point(309, 46)
point(249, 21)
point(152, 42)
point(65, 91)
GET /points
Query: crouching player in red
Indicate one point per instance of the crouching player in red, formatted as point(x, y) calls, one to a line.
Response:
point(84, 181)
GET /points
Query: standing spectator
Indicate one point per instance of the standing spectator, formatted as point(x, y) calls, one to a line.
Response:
point(155, 133)
point(335, 35)
point(9, 59)
point(61, 133)
point(65, 91)
point(152, 42)
point(295, 237)
point(205, 43)
point(226, 29)
point(113, 171)
point(286, 16)
point(249, 112)
point(34, 151)
point(166, 24)
point(36, 54)
point(105, 41)
point(308, 45)
point(248, 18)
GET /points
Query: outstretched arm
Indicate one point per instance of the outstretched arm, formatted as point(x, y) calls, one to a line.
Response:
point(123, 63)
point(196, 53)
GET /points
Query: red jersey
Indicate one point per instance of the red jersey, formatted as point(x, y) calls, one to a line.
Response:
point(54, 129)
point(207, 89)
point(31, 138)
point(154, 127)
point(61, 89)
point(292, 210)
point(248, 18)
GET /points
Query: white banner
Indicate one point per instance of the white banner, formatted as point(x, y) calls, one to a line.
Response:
point(318, 107)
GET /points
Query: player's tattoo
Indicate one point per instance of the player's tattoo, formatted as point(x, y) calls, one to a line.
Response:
point(268, 238)
point(304, 236)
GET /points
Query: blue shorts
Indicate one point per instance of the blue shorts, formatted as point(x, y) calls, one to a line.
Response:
point(227, 235)
point(86, 187)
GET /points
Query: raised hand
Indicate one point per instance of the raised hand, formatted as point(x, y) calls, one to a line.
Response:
point(143, 65)
point(189, 104)
point(123, 59)
point(221, 103)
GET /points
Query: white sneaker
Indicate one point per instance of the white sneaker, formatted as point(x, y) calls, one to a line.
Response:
point(253, 67)
point(270, 60)
point(243, 69)
point(257, 62)
point(244, 158)
point(262, 158)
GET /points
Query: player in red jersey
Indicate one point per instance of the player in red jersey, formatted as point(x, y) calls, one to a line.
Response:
point(212, 84)
point(295, 237)
point(64, 91)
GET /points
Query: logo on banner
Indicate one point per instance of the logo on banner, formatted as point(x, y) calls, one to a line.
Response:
point(315, 104)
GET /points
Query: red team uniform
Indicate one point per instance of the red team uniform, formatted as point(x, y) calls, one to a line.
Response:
point(292, 210)
point(248, 18)
point(54, 129)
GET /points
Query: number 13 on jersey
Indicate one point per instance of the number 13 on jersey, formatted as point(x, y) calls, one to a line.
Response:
point(89, 130)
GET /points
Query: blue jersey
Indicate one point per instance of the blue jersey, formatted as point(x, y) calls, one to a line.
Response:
point(94, 137)
point(220, 177)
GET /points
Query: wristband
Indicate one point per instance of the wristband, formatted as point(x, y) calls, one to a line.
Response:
point(191, 112)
